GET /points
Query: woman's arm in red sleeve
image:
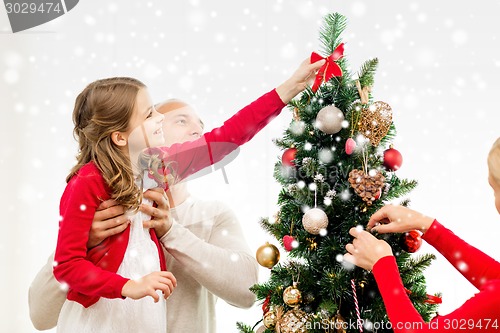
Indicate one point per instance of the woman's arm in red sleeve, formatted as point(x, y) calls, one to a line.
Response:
point(79, 202)
point(473, 264)
point(481, 313)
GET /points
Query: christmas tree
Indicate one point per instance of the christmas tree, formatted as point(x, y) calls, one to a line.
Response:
point(337, 169)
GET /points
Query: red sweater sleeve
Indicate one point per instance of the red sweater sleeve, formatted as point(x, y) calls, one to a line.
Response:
point(480, 313)
point(79, 202)
point(475, 266)
point(189, 157)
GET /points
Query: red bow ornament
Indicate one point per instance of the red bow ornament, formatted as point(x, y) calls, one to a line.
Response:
point(330, 68)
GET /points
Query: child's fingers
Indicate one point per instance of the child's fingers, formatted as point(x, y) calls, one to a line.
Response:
point(169, 284)
point(169, 276)
point(152, 292)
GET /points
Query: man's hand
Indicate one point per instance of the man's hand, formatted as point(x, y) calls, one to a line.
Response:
point(109, 220)
point(161, 220)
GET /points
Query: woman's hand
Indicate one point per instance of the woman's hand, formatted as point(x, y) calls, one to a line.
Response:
point(149, 284)
point(365, 250)
point(392, 219)
point(161, 219)
point(300, 79)
point(109, 220)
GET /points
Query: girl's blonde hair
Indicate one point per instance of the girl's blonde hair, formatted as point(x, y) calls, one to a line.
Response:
point(494, 161)
point(103, 107)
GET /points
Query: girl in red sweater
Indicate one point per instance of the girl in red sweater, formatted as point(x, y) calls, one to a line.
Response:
point(481, 313)
point(115, 121)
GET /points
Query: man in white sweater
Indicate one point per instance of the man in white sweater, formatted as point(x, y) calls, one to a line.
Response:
point(204, 247)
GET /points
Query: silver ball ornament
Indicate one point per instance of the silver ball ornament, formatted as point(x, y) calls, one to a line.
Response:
point(314, 220)
point(329, 119)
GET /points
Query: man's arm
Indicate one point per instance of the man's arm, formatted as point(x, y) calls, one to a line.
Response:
point(224, 264)
point(46, 297)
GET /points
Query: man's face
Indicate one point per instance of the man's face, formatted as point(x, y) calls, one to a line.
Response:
point(181, 125)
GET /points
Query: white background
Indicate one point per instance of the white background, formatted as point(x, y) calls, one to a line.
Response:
point(439, 69)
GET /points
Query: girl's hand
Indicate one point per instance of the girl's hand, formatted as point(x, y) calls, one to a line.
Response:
point(149, 284)
point(300, 79)
point(391, 219)
point(365, 250)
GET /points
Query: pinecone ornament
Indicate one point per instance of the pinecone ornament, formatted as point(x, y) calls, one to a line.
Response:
point(366, 186)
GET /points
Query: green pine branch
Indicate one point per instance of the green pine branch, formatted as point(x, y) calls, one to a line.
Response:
point(399, 187)
point(330, 31)
point(244, 328)
point(366, 75)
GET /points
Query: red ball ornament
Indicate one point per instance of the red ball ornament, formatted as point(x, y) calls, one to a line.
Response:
point(288, 157)
point(266, 305)
point(411, 241)
point(392, 159)
point(288, 242)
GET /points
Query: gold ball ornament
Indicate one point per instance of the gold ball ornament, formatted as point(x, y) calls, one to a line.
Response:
point(294, 321)
point(292, 296)
point(314, 220)
point(329, 119)
point(267, 255)
point(270, 319)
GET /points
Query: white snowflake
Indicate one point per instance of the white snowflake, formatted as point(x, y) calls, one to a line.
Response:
point(345, 195)
point(462, 266)
point(325, 155)
point(297, 127)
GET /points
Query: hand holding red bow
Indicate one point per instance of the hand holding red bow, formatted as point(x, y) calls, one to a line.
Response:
point(329, 69)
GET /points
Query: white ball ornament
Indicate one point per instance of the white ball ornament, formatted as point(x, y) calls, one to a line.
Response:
point(329, 119)
point(314, 220)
